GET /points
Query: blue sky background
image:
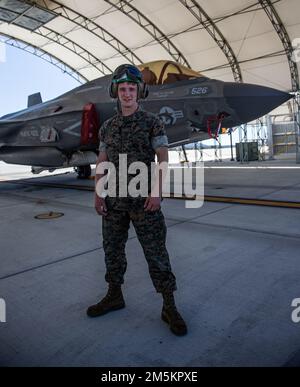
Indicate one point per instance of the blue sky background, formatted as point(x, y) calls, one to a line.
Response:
point(22, 74)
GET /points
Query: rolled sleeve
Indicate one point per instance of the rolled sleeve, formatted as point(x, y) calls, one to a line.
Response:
point(102, 146)
point(159, 136)
point(159, 141)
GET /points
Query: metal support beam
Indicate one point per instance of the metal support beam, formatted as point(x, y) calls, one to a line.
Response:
point(279, 27)
point(297, 125)
point(24, 46)
point(87, 24)
point(63, 40)
point(144, 22)
point(69, 44)
point(90, 26)
point(204, 20)
point(270, 137)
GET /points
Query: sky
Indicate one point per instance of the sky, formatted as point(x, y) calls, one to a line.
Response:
point(22, 74)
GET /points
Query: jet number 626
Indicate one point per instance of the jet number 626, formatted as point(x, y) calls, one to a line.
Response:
point(199, 90)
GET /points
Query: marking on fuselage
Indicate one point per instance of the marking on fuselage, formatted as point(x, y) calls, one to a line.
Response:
point(170, 116)
point(163, 93)
point(203, 90)
point(70, 128)
point(29, 133)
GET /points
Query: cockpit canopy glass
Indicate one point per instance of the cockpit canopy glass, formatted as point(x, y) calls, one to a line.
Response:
point(165, 72)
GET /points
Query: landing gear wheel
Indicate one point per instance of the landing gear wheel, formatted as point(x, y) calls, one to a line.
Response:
point(83, 172)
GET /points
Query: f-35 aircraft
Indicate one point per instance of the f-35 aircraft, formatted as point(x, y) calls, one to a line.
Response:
point(63, 132)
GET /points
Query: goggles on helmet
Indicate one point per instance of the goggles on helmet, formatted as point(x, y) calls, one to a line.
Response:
point(127, 73)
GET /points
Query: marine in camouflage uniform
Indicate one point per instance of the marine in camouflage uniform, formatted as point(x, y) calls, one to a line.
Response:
point(139, 135)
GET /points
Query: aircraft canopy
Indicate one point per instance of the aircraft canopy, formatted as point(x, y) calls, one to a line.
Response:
point(163, 72)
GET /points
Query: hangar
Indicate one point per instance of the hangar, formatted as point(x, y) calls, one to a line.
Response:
point(237, 266)
point(249, 41)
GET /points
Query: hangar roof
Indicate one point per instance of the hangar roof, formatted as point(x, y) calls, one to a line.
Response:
point(242, 40)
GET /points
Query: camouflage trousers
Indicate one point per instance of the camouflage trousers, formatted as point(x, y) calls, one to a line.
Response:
point(151, 231)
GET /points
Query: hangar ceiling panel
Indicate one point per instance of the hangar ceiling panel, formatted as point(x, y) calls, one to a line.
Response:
point(293, 31)
point(92, 43)
point(259, 72)
point(76, 61)
point(124, 28)
point(219, 9)
point(95, 36)
point(169, 16)
point(114, 62)
point(244, 26)
point(195, 41)
point(157, 52)
point(288, 11)
point(23, 34)
point(89, 72)
point(90, 8)
point(204, 59)
point(60, 24)
point(260, 45)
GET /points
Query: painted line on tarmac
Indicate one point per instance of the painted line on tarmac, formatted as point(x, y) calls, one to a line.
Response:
point(207, 198)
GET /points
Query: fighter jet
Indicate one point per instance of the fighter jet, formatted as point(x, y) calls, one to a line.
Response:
point(63, 132)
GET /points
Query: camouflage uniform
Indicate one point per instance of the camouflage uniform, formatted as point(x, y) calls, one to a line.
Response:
point(137, 136)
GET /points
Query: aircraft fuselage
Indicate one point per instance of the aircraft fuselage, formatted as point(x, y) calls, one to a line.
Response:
point(48, 134)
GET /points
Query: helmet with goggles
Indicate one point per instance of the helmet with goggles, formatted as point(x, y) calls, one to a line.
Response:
point(128, 73)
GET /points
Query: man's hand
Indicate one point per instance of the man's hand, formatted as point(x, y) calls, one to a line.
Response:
point(100, 206)
point(152, 203)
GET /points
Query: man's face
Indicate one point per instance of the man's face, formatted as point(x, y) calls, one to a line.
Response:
point(127, 94)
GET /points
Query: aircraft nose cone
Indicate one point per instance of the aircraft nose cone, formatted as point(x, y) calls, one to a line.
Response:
point(252, 101)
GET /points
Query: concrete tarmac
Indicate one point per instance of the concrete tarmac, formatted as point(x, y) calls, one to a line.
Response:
point(237, 270)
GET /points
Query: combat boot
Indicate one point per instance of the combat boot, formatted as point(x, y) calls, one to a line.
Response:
point(112, 301)
point(171, 315)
